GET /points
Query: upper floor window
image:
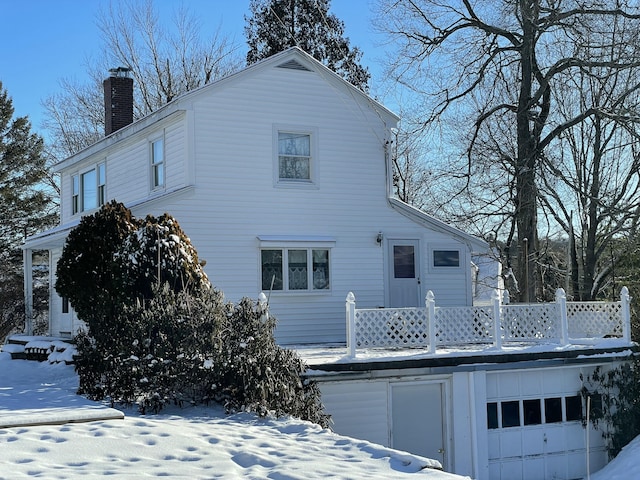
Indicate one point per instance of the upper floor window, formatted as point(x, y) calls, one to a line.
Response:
point(157, 163)
point(88, 189)
point(295, 156)
point(75, 196)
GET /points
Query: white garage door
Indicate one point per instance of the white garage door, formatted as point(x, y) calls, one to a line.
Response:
point(534, 421)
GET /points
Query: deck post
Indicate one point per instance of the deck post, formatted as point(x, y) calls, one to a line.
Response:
point(351, 324)
point(431, 320)
point(625, 300)
point(263, 306)
point(561, 300)
point(497, 327)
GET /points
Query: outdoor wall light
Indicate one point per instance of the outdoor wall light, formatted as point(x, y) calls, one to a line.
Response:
point(379, 239)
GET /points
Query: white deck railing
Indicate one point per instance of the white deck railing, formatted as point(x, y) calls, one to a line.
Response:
point(431, 326)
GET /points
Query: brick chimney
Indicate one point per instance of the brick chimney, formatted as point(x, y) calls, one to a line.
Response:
point(118, 100)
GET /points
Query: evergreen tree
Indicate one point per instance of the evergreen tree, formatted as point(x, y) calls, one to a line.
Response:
point(26, 207)
point(275, 25)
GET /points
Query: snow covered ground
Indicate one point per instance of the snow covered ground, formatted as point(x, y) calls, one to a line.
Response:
point(625, 466)
point(182, 443)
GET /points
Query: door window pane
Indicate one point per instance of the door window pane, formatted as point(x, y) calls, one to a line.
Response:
point(510, 414)
point(574, 408)
point(552, 410)
point(404, 265)
point(532, 412)
point(271, 270)
point(492, 415)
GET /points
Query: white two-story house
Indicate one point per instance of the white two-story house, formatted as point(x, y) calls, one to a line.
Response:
point(281, 176)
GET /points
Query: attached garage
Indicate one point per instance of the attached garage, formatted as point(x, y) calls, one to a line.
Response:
point(516, 418)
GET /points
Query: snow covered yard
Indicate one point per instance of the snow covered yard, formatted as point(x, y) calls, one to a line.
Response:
point(181, 443)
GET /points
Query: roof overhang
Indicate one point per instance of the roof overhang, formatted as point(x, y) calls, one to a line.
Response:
point(476, 244)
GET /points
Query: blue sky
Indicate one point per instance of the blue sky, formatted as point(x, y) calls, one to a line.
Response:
point(43, 41)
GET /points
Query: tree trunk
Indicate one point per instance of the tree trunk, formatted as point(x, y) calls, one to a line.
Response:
point(589, 267)
point(526, 205)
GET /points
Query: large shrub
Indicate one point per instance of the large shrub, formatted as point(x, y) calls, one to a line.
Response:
point(87, 273)
point(159, 351)
point(112, 259)
point(180, 348)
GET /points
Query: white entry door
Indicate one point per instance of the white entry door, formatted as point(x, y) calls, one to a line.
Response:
point(417, 419)
point(404, 273)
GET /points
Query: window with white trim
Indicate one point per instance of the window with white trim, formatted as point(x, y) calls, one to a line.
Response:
point(295, 162)
point(446, 258)
point(75, 195)
point(295, 269)
point(157, 163)
point(88, 189)
point(102, 183)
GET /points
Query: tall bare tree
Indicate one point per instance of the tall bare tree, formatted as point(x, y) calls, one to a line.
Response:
point(411, 177)
point(166, 60)
point(591, 181)
point(495, 68)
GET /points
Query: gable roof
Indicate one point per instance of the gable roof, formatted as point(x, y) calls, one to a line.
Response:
point(293, 58)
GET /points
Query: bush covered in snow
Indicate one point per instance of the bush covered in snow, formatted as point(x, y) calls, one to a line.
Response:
point(180, 348)
point(112, 258)
point(159, 334)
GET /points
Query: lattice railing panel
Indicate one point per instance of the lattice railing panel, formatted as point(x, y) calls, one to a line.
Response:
point(459, 325)
point(391, 327)
point(594, 319)
point(409, 327)
point(531, 322)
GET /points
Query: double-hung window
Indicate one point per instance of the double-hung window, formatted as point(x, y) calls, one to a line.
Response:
point(295, 156)
point(88, 189)
point(157, 163)
point(75, 195)
point(296, 268)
